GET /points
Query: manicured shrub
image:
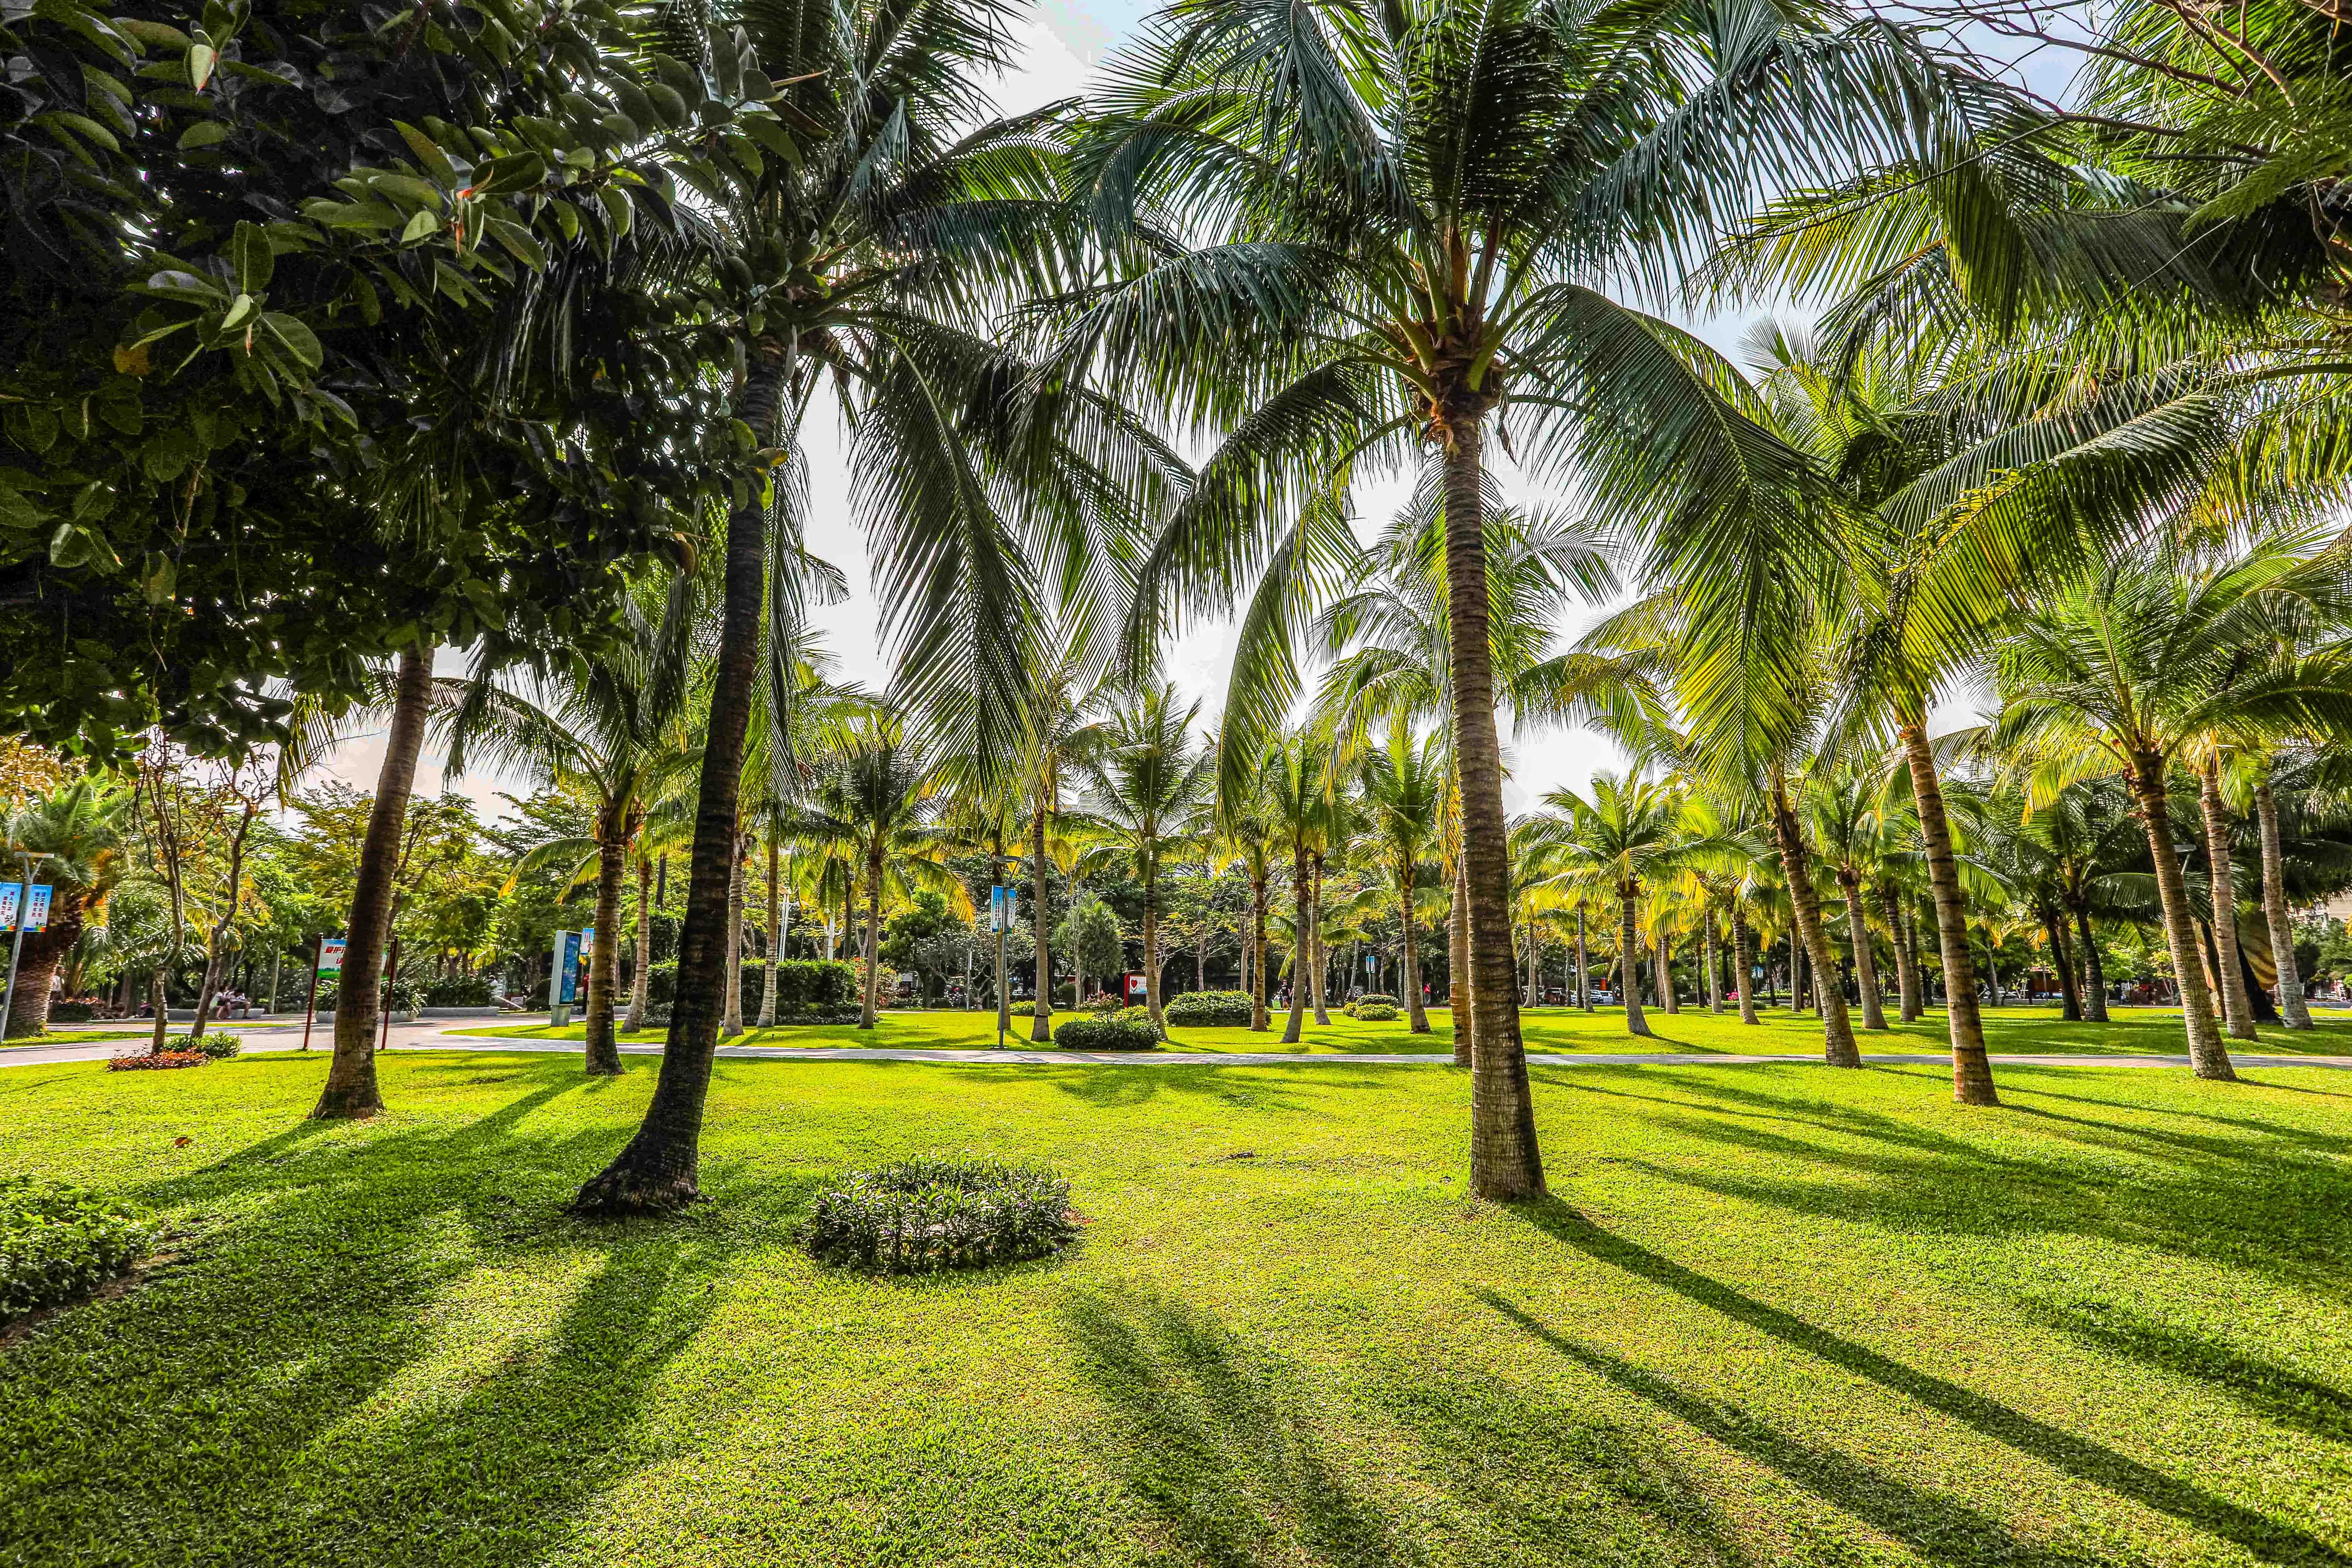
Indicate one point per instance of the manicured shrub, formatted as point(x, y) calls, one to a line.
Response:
point(1106, 1034)
point(459, 991)
point(1140, 1015)
point(58, 1241)
point(217, 1047)
point(1371, 999)
point(803, 1013)
point(1374, 1012)
point(919, 1215)
point(1209, 1009)
point(71, 1012)
point(144, 1061)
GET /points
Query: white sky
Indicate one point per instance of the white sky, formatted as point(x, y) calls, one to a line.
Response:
point(1062, 43)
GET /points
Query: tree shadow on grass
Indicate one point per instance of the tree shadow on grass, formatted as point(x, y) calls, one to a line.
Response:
point(2276, 1200)
point(1942, 1529)
point(2265, 1538)
point(386, 1345)
point(2272, 1391)
point(1122, 1084)
point(1226, 1442)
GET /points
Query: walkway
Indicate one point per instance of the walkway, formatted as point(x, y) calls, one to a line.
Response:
point(450, 1034)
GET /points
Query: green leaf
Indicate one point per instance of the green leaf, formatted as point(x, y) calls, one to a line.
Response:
point(254, 258)
point(167, 454)
point(519, 172)
point(297, 338)
point(616, 208)
point(518, 242)
point(203, 133)
point(241, 307)
point(157, 578)
point(421, 225)
point(16, 512)
point(202, 58)
point(428, 151)
point(75, 544)
point(408, 188)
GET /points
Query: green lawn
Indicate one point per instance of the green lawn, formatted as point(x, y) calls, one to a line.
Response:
point(68, 1034)
point(2019, 1030)
point(1773, 1315)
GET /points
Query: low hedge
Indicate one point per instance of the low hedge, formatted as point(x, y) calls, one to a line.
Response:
point(1373, 1012)
point(1106, 1034)
point(144, 1061)
point(72, 1012)
point(919, 1215)
point(217, 1046)
point(58, 1241)
point(1373, 999)
point(1210, 1009)
point(1140, 1015)
point(800, 983)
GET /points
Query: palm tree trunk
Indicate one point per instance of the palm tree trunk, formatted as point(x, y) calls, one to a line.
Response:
point(1260, 1020)
point(1707, 956)
point(1629, 942)
point(732, 1021)
point(775, 935)
point(1457, 981)
point(1315, 942)
point(1743, 957)
point(870, 1008)
point(2094, 971)
point(2070, 996)
point(1971, 1071)
point(350, 1087)
point(658, 1170)
point(1041, 1025)
point(2237, 1007)
point(1151, 944)
point(1906, 968)
point(641, 976)
point(602, 1057)
point(2292, 1006)
point(1865, 960)
point(1668, 999)
point(2208, 1057)
point(1796, 973)
point(1416, 1015)
point(1837, 1032)
point(1302, 946)
point(1583, 970)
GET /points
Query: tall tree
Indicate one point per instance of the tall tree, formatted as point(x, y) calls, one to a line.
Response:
point(1148, 786)
point(1402, 785)
point(1623, 838)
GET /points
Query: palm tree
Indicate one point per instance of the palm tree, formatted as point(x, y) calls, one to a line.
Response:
point(865, 257)
point(1626, 836)
point(1297, 787)
point(1149, 785)
point(2133, 669)
point(1059, 733)
point(884, 796)
point(1398, 220)
point(1402, 794)
point(1246, 832)
point(1848, 810)
point(76, 830)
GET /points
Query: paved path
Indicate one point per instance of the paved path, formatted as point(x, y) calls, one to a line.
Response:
point(452, 1035)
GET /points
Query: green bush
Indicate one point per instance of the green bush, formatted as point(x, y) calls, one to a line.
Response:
point(1106, 1034)
point(800, 983)
point(216, 1046)
point(1372, 999)
point(459, 991)
point(56, 1242)
point(1373, 1012)
point(1142, 1015)
point(1209, 1009)
point(918, 1215)
point(70, 1012)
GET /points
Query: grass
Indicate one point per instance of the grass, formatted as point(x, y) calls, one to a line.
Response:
point(1772, 1315)
point(2008, 1030)
point(74, 1035)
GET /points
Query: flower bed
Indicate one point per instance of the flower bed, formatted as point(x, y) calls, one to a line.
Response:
point(156, 1060)
point(920, 1215)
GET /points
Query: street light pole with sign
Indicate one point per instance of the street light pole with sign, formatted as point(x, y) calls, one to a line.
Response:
point(26, 906)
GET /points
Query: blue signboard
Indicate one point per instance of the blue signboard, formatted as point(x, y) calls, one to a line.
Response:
point(566, 979)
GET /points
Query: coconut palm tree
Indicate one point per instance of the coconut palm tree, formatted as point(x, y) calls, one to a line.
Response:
point(1402, 790)
point(77, 832)
point(1336, 235)
point(2133, 669)
point(883, 795)
point(1625, 837)
point(1149, 785)
point(1298, 788)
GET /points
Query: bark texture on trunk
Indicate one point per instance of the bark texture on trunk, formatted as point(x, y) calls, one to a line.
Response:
point(1302, 946)
point(1315, 941)
point(1458, 982)
point(1837, 1032)
point(1707, 956)
point(658, 1170)
point(1906, 967)
point(731, 1018)
point(1865, 960)
point(351, 1088)
point(38, 966)
point(1971, 1071)
point(1041, 1024)
point(2292, 1006)
point(869, 1012)
point(1743, 954)
point(603, 1053)
point(1417, 1013)
point(2237, 1007)
point(1504, 1162)
point(2208, 1057)
point(2095, 971)
point(1151, 944)
point(1260, 1020)
point(775, 935)
point(641, 975)
point(1583, 967)
point(1629, 942)
point(2061, 956)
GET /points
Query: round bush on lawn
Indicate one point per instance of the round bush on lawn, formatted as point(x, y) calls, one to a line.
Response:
point(58, 1241)
point(218, 1046)
point(1375, 1012)
point(1107, 1035)
point(1209, 1009)
point(919, 1215)
point(1371, 999)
